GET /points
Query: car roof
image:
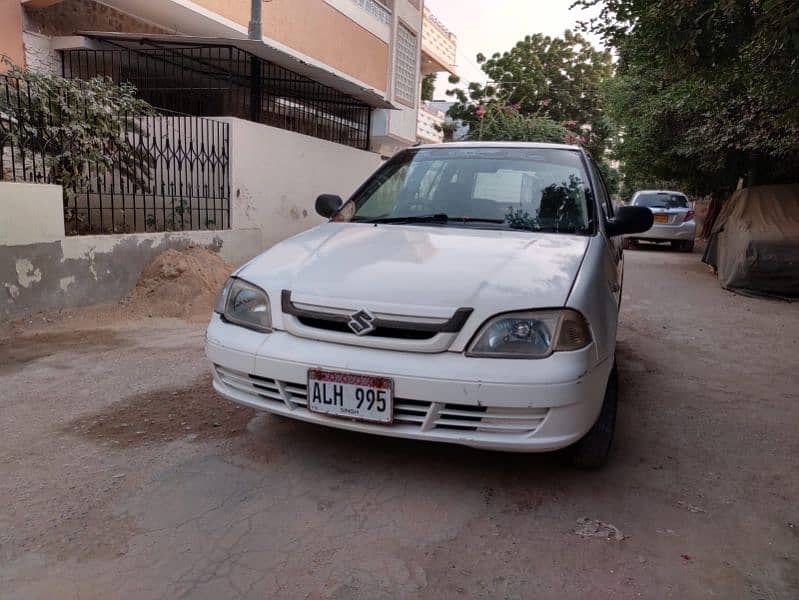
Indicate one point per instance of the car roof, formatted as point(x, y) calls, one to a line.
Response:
point(539, 145)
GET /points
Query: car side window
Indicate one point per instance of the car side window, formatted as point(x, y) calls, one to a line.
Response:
point(604, 197)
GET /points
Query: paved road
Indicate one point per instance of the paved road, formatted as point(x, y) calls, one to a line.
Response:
point(122, 476)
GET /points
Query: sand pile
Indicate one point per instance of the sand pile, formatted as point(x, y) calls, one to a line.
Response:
point(179, 283)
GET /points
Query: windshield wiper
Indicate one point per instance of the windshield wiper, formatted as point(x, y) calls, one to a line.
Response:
point(476, 220)
point(436, 218)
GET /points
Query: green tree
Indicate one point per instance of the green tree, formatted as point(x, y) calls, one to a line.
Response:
point(707, 91)
point(544, 77)
point(507, 123)
point(428, 87)
point(448, 128)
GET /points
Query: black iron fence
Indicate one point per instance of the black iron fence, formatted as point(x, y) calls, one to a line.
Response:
point(122, 172)
point(222, 80)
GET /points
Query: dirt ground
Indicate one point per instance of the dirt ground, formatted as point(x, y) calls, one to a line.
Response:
point(123, 476)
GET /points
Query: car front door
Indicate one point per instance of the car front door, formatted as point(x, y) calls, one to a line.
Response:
point(615, 255)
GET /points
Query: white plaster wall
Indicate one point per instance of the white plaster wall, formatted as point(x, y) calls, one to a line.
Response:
point(276, 176)
point(39, 54)
point(30, 213)
point(235, 246)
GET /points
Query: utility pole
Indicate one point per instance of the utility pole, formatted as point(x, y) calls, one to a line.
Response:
point(255, 32)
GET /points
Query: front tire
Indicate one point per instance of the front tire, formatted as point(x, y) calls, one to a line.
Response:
point(592, 450)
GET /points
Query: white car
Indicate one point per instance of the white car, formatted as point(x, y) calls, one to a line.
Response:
point(466, 293)
point(673, 219)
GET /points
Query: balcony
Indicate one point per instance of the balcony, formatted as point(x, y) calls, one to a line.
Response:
point(429, 118)
point(375, 8)
point(438, 46)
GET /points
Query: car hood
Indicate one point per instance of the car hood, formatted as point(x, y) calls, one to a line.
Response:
point(421, 270)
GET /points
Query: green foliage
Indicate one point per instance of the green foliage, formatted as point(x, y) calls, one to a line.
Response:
point(612, 178)
point(448, 128)
point(707, 91)
point(507, 123)
point(556, 79)
point(82, 129)
point(428, 87)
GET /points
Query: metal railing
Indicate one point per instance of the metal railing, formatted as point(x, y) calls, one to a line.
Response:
point(222, 80)
point(142, 173)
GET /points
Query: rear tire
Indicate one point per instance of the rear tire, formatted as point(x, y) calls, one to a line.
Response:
point(592, 450)
point(683, 245)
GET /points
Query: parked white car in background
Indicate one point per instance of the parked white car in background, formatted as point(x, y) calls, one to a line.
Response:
point(673, 219)
point(466, 293)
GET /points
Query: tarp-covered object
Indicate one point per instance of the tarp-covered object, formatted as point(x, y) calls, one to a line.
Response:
point(754, 243)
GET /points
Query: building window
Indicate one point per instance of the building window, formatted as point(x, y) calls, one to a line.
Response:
point(405, 65)
point(377, 9)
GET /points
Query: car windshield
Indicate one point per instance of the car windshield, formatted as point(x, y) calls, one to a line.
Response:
point(535, 189)
point(662, 200)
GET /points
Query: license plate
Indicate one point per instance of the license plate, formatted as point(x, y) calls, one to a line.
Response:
point(351, 396)
point(661, 218)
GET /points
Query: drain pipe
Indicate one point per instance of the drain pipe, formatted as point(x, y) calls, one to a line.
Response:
point(255, 32)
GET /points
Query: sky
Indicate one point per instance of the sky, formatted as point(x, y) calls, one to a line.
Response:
point(490, 26)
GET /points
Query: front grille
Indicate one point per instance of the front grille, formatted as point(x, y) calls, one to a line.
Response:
point(388, 332)
point(418, 414)
point(383, 325)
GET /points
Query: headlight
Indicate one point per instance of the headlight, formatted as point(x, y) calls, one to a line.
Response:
point(534, 334)
point(244, 304)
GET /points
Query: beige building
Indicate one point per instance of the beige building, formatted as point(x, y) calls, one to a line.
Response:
point(439, 48)
point(368, 56)
point(430, 119)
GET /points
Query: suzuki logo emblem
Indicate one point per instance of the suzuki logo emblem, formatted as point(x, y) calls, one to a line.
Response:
point(362, 322)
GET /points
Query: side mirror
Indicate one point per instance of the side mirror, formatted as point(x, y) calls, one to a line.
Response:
point(630, 219)
point(327, 205)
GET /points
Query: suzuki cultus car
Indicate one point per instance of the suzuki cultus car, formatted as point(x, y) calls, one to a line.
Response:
point(466, 293)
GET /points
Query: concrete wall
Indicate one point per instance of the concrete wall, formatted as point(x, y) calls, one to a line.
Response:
point(31, 213)
point(83, 270)
point(354, 11)
point(68, 16)
point(276, 176)
point(41, 268)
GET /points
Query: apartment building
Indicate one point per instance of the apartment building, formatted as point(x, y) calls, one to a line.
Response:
point(430, 120)
point(439, 49)
point(344, 70)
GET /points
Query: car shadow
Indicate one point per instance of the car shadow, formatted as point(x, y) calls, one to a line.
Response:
point(365, 456)
point(653, 247)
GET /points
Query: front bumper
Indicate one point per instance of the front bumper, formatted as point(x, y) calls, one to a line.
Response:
point(513, 405)
point(665, 232)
